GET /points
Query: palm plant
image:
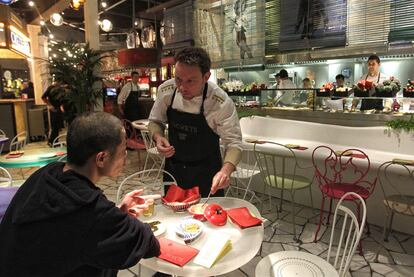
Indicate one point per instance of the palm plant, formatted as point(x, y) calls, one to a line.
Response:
point(77, 68)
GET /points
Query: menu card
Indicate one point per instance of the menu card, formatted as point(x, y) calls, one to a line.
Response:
point(243, 218)
point(176, 253)
point(217, 245)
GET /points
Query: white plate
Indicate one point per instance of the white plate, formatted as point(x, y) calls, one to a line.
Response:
point(161, 228)
point(182, 231)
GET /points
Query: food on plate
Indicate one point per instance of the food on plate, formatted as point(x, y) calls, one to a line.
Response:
point(215, 214)
point(191, 228)
point(153, 225)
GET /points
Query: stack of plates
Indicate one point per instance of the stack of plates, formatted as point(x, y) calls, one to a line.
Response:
point(189, 229)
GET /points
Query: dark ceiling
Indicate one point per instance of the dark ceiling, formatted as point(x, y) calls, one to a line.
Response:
point(120, 12)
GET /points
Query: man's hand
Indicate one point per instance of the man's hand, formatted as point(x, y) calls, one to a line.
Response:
point(164, 147)
point(222, 178)
point(135, 204)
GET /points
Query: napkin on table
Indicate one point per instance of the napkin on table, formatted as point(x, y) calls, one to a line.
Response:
point(176, 253)
point(243, 218)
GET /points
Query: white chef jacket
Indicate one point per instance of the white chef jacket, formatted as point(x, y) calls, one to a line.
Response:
point(126, 89)
point(285, 97)
point(219, 111)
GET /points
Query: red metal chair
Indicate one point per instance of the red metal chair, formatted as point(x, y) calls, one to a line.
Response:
point(340, 172)
point(133, 140)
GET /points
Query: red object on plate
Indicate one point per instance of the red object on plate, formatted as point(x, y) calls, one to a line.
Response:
point(176, 253)
point(243, 218)
point(215, 214)
point(59, 154)
point(177, 194)
point(14, 155)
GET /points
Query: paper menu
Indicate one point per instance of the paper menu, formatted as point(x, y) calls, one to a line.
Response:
point(217, 245)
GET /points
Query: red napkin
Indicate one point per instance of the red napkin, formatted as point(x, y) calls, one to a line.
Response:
point(359, 156)
point(300, 148)
point(243, 218)
point(59, 154)
point(177, 194)
point(176, 253)
point(14, 155)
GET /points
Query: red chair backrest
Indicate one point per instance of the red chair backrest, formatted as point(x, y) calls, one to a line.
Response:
point(333, 168)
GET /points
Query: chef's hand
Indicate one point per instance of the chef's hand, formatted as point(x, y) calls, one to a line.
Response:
point(164, 146)
point(222, 178)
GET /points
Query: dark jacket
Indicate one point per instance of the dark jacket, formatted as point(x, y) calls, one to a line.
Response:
point(60, 224)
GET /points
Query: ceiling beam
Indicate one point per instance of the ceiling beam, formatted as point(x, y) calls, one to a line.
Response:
point(58, 7)
point(166, 5)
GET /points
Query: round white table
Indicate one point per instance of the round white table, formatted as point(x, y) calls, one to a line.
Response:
point(294, 264)
point(245, 242)
point(34, 158)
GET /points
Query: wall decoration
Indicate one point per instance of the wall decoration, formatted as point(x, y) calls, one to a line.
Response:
point(231, 31)
point(312, 24)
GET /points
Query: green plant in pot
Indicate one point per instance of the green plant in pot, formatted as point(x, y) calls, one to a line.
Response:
point(77, 68)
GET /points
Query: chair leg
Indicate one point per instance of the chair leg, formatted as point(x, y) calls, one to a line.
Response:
point(311, 197)
point(366, 221)
point(292, 196)
point(320, 219)
point(358, 205)
point(330, 211)
point(281, 200)
point(389, 226)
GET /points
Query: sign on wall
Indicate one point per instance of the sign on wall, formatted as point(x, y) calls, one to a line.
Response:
point(312, 24)
point(19, 42)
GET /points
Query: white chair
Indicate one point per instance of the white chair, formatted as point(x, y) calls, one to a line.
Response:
point(59, 141)
point(147, 179)
point(296, 263)
point(6, 179)
point(2, 134)
point(152, 152)
point(243, 175)
point(18, 142)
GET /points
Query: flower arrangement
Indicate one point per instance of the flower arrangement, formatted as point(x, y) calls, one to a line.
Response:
point(235, 85)
point(362, 88)
point(408, 91)
point(388, 88)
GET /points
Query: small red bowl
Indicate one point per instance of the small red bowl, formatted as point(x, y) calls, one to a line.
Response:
point(197, 211)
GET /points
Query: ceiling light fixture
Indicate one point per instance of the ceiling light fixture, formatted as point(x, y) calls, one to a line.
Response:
point(31, 3)
point(42, 22)
point(76, 4)
point(51, 36)
point(104, 4)
point(106, 25)
point(56, 19)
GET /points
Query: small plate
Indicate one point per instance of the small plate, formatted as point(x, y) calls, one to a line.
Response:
point(292, 146)
point(189, 229)
point(158, 228)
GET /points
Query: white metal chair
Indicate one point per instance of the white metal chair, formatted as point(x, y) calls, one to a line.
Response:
point(6, 179)
point(18, 142)
point(152, 152)
point(59, 141)
point(243, 175)
point(279, 169)
point(2, 134)
point(148, 179)
point(337, 264)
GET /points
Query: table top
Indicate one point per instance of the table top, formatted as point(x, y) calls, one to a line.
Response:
point(32, 158)
point(245, 242)
point(294, 263)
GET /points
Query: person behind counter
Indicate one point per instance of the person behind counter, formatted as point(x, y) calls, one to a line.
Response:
point(340, 81)
point(28, 89)
point(199, 114)
point(374, 75)
point(60, 223)
point(128, 98)
point(285, 97)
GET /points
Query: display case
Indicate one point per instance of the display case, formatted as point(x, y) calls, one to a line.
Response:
point(331, 108)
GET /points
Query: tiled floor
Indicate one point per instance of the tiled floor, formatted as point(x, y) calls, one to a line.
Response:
point(396, 257)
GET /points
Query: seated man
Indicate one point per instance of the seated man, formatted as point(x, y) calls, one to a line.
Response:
point(60, 224)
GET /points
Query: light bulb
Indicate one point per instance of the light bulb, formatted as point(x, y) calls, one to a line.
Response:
point(106, 25)
point(56, 19)
point(31, 3)
point(51, 36)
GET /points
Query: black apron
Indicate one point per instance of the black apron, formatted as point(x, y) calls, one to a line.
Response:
point(131, 105)
point(197, 155)
point(369, 104)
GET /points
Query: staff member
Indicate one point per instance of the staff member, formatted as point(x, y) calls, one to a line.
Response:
point(376, 77)
point(51, 98)
point(198, 114)
point(129, 97)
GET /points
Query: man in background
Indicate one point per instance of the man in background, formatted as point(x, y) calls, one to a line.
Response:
point(129, 97)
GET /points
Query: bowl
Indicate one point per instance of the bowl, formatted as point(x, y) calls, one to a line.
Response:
point(197, 211)
point(180, 206)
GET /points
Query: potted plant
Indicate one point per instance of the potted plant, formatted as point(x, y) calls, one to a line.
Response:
point(77, 68)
